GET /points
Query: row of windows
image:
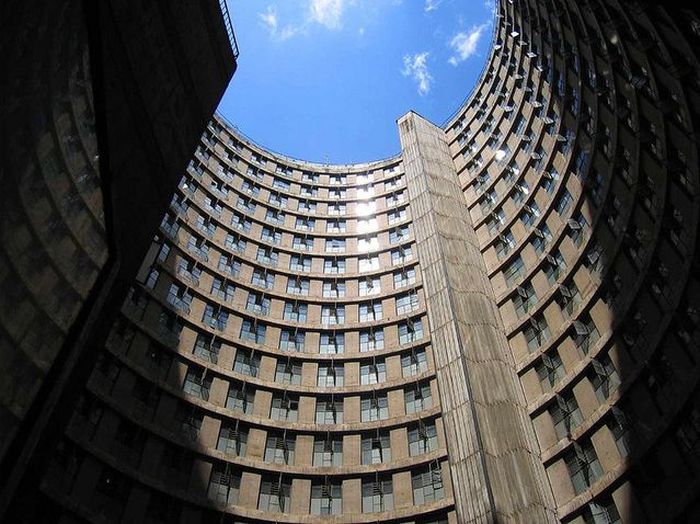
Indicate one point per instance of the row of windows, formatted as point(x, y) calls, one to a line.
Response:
point(327, 451)
point(377, 492)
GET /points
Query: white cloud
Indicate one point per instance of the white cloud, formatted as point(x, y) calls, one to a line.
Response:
point(416, 66)
point(464, 44)
point(327, 12)
point(432, 5)
point(271, 22)
point(490, 5)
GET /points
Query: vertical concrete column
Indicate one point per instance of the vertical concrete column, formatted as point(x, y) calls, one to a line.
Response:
point(494, 460)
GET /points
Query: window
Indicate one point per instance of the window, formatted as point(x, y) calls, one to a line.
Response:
point(335, 245)
point(326, 498)
point(414, 362)
point(207, 348)
point(240, 222)
point(376, 448)
point(197, 383)
point(334, 265)
point(300, 263)
point(288, 372)
point(336, 226)
point(246, 362)
point(302, 243)
point(406, 303)
point(292, 340)
point(253, 330)
point(367, 243)
point(271, 235)
point(189, 270)
point(331, 315)
point(549, 180)
point(405, 277)
point(328, 451)
point(267, 256)
point(257, 303)
point(222, 289)
point(565, 414)
point(152, 278)
point(274, 495)
point(603, 377)
point(215, 317)
point(329, 410)
point(554, 267)
point(307, 207)
point(369, 286)
point(370, 311)
point(298, 286)
point(179, 298)
point(524, 299)
point(284, 407)
point(410, 331)
point(530, 213)
point(536, 332)
point(229, 264)
point(578, 227)
point(422, 438)
point(397, 215)
point(377, 495)
point(334, 289)
point(336, 209)
point(373, 372)
point(427, 484)
point(374, 407)
point(233, 440)
point(582, 463)
point(295, 311)
point(541, 238)
point(332, 343)
point(549, 370)
point(371, 340)
point(602, 511)
point(505, 244)
point(331, 375)
point(279, 448)
point(401, 255)
point(564, 202)
point(305, 224)
point(585, 333)
point(418, 398)
point(368, 263)
point(514, 271)
point(568, 297)
point(240, 398)
point(274, 216)
point(224, 486)
point(398, 234)
point(263, 278)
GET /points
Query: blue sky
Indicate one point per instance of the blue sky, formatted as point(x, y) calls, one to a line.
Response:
point(325, 80)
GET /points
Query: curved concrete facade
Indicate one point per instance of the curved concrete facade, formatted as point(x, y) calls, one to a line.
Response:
point(500, 324)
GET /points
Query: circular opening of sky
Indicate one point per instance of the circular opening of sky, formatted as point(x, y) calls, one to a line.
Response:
point(326, 80)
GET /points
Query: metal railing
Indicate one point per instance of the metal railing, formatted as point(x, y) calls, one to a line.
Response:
point(229, 28)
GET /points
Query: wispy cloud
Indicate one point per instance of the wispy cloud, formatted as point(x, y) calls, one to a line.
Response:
point(416, 67)
point(432, 5)
point(464, 44)
point(490, 5)
point(327, 12)
point(270, 20)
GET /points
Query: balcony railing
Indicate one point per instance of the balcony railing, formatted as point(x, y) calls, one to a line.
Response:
point(229, 28)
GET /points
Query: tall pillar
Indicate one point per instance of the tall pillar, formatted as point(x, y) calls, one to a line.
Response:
point(496, 471)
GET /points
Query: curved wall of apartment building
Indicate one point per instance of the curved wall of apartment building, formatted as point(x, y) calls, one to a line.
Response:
point(277, 359)
point(579, 167)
